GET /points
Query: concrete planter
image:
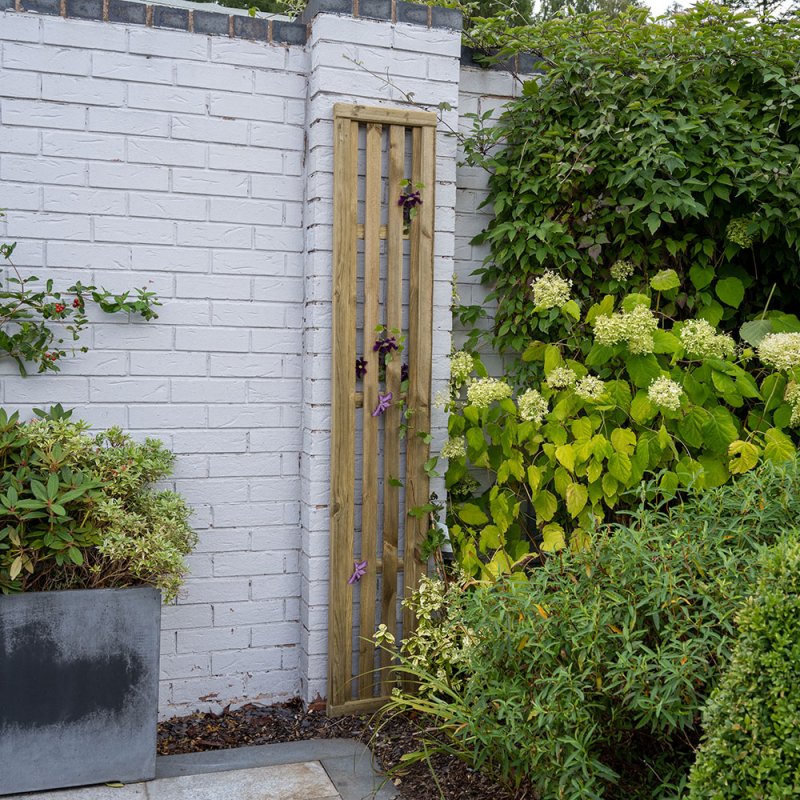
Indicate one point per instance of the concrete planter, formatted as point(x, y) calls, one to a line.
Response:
point(78, 687)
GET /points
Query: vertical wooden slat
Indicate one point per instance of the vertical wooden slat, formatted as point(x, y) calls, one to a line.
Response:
point(420, 334)
point(369, 480)
point(391, 439)
point(343, 408)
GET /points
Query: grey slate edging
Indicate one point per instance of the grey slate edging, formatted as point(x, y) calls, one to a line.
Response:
point(413, 13)
point(349, 764)
point(217, 23)
point(519, 64)
point(127, 12)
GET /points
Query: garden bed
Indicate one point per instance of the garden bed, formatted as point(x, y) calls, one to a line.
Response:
point(288, 722)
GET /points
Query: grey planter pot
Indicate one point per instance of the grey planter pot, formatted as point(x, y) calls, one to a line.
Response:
point(78, 688)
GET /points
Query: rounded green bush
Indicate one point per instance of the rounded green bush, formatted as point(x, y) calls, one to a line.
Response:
point(751, 746)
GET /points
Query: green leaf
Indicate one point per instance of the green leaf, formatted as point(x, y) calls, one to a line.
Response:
point(610, 485)
point(553, 538)
point(715, 472)
point(642, 410)
point(534, 478)
point(552, 359)
point(712, 313)
point(472, 515)
point(719, 431)
point(624, 440)
point(779, 446)
point(730, 291)
point(545, 504)
point(754, 331)
point(692, 425)
point(643, 370)
point(571, 309)
point(566, 456)
point(576, 498)
point(665, 280)
point(619, 465)
point(742, 456)
point(491, 538)
point(701, 276)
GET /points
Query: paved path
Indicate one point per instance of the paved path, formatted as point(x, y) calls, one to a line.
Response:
point(322, 769)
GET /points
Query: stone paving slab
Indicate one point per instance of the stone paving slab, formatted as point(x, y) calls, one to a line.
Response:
point(320, 769)
point(303, 781)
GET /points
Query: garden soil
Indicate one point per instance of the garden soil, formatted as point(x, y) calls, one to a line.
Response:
point(291, 722)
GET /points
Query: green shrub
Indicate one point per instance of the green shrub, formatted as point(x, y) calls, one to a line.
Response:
point(77, 510)
point(650, 145)
point(626, 393)
point(586, 679)
point(751, 746)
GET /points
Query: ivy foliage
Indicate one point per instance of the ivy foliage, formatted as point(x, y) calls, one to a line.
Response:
point(628, 394)
point(664, 144)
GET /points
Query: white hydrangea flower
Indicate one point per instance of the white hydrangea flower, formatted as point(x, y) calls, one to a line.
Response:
point(532, 406)
point(551, 290)
point(442, 400)
point(482, 392)
point(454, 448)
point(622, 270)
point(666, 393)
point(635, 327)
point(561, 378)
point(792, 396)
point(590, 388)
point(701, 340)
point(780, 350)
point(461, 366)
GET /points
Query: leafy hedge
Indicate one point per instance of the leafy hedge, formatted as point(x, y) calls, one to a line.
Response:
point(751, 747)
point(658, 145)
point(587, 679)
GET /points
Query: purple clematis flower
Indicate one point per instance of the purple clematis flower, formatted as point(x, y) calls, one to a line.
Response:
point(384, 401)
point(359, 571)
point(361, 367)
point(385, 346)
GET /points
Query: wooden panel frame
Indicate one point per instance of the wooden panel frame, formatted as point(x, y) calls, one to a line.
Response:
point(390, 563)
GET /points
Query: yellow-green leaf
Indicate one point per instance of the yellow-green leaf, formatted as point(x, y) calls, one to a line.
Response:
point(472, 515)
point(545, 504)
point(778, 447)
point(577, 495)
point(742, 456)
point(553, 538)
point(624, 440)
point(566, 456)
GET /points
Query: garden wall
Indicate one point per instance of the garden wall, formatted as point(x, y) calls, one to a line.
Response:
point(190, 150)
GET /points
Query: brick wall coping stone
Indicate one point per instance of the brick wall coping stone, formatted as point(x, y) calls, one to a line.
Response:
point(219, 21)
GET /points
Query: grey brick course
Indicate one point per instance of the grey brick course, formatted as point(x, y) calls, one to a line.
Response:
point(85, 9)
point(124, 11)
point(166, 17)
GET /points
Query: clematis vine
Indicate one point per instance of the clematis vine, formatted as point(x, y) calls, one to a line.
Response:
point(384, 401)
point(359, 571)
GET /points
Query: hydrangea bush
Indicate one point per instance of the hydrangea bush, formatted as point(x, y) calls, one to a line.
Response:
point(628, 393)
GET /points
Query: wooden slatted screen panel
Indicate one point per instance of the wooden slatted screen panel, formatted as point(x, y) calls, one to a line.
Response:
point(382, 275)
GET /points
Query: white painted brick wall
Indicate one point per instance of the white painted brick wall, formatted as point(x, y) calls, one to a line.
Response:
point(202, 168)
point(479, 91)
point(128, 157)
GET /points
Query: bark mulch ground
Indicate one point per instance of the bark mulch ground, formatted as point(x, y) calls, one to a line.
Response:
point(291, 722)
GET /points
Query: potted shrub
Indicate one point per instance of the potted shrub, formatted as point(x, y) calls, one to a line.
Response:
point(87, 548)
